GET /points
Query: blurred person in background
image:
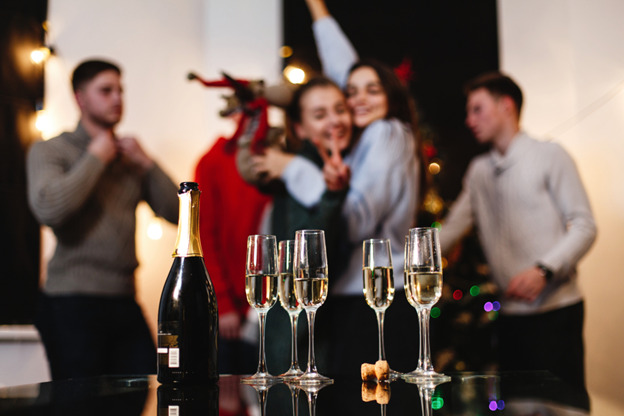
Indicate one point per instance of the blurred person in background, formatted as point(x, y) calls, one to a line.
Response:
point(86, 186)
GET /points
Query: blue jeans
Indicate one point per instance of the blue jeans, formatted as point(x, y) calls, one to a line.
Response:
point(94, 335)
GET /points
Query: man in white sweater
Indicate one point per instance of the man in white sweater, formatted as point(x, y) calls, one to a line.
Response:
point(534, 222)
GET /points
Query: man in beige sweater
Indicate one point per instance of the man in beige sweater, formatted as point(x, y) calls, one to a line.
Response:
point(534, 221)
point(86, 185)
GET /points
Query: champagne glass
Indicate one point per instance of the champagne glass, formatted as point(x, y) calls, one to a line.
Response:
point(288, 299)
point(378, 284)
point(261, 290)
point(423, 288)
point(311, 286)
point(416, 305)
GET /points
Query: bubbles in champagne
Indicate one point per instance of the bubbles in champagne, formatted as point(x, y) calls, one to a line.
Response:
point(311, 292)
point(423, 288)
point(261, 291)
point(287, 295)
point(378, 286)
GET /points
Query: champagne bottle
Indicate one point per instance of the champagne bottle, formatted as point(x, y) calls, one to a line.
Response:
point(187, 315)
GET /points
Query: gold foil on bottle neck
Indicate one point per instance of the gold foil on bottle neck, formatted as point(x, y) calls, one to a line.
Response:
point(188, 242)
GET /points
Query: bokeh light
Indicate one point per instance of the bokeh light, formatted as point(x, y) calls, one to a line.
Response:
point(154, 229)
point(43, 122)
point(40, 55)
point(496, 306)
point(458, 294)
point(496, 405)
point(437, 402)
point(294, 75)
point(285, 51)
point(435, 312)
point(488, 307)
point(474, 290)
point(434, 168)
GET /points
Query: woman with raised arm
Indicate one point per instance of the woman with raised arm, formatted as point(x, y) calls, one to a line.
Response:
point(382, 199)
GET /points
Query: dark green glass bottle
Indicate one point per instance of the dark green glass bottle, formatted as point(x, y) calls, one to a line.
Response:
point(187, 315)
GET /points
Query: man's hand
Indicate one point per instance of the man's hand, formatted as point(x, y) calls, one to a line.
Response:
point(526, 285)
point(229, 325)
point(103, 146)
point(133, 153)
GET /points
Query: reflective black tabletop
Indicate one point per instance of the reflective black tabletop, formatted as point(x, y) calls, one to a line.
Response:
point(530, 393)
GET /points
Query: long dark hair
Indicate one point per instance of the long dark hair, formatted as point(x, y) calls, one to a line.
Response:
point(401, 106)
point(400, 103)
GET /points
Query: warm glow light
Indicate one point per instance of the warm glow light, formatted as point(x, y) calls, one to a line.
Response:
point(434, 168)
point(39, 55)
point(154, 229)
point(286, 51)
point(42, 123)
point(294, 75)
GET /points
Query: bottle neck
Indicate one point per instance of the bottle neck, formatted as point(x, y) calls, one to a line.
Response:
point(188, 242)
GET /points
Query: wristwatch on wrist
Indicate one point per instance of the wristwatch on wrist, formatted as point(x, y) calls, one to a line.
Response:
point(546, 272)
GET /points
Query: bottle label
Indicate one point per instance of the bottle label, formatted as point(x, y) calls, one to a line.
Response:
point(168, 350)
point(173, 411)
point(174, 357)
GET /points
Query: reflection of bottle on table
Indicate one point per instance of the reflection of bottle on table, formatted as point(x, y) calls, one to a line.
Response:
point(188, 400)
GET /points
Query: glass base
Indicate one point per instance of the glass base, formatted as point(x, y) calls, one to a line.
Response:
point(261, 378)
point(293, 372)
point(425, 378)
point(394, 375)
point(311, 378)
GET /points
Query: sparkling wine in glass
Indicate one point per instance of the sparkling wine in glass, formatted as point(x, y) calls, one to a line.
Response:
point(261, 290)
point(288, 300)
point(423, 288)
point(311, 286)
point(378, 284)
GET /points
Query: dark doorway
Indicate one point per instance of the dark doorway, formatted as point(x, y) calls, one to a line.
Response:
point(21, 91)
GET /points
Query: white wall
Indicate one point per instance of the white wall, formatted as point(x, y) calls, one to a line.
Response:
point(157, 42)
point(568, 56)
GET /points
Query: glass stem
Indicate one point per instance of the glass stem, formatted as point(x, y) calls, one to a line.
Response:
point(293, 348)
point(311, 360)
point(380, 325)
point(421, 360)
point(425, 401)
point(423, 316)
point(294, 397)
point(261, 359)
point(312, 403)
